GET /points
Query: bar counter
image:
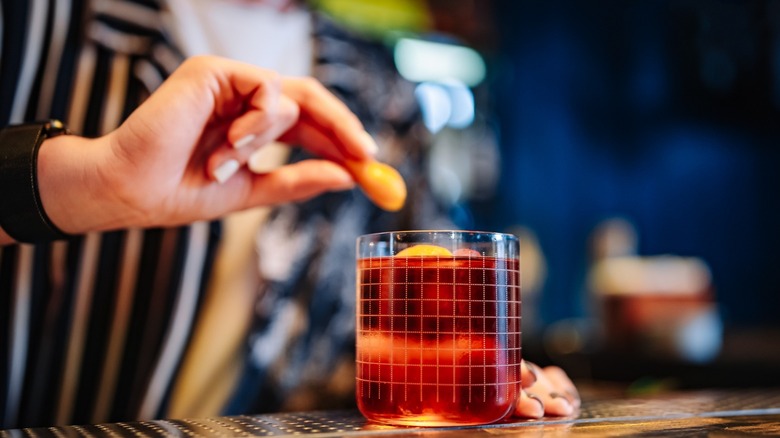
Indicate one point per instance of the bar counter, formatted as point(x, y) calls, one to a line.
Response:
point(691, 413)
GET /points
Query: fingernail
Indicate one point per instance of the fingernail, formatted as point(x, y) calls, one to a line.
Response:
point(225, 170)
point(529, 411)
point(559, 395)
point(243, 141)
point(535, 397)
point(567, 408)
point(369, 145)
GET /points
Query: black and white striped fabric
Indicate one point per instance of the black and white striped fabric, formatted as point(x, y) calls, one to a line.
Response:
point(94, 329)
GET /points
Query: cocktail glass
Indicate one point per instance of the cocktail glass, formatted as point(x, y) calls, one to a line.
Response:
point(438, 327)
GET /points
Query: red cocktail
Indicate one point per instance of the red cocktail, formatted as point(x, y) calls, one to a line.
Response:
point(438, 338)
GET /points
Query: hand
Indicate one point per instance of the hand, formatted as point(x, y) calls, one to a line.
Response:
point(547, 391)
point(180, 157)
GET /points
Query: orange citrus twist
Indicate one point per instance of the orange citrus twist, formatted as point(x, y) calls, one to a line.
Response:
point(383, 185)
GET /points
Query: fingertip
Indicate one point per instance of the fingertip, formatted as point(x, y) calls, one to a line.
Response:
point(558, 405)
point(562, 380)
point(342, 179)
point(370, 147)
point(529, 406)
point(574, 397)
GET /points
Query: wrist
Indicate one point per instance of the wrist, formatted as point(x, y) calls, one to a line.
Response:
point(73, 188)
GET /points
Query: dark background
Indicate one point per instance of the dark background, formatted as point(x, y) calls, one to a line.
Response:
point(666, 113)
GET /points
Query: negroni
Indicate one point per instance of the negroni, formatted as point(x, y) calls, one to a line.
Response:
point(438, 339)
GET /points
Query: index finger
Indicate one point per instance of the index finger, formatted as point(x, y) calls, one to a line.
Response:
point(331, 116)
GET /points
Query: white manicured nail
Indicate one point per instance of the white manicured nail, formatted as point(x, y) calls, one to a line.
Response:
point(243, 141)
point(369, 145)
point(226, 170)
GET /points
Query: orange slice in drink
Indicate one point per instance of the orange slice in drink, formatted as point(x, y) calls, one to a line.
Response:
point(424, 249)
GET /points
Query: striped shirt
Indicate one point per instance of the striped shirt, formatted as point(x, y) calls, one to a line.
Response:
point(95, 328)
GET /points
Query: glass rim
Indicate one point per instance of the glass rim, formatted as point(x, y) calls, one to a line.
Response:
point(504, 236)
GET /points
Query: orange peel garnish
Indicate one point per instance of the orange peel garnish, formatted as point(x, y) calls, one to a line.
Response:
point(383, 185)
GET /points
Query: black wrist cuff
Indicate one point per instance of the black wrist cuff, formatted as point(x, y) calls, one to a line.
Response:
point(21, 211)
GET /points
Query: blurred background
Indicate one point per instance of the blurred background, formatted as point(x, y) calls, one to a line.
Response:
point(635, 149)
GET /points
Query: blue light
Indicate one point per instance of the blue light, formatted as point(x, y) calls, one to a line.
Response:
point(447, 103)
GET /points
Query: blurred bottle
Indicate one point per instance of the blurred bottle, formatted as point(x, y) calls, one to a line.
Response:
point(655, 305)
